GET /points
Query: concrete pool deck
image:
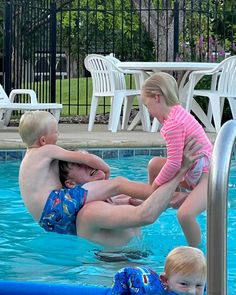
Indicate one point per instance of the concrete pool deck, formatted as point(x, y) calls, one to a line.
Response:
point(77, 136)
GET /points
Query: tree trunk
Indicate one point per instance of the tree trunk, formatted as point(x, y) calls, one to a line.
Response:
point(160, 25)
point(72, 66)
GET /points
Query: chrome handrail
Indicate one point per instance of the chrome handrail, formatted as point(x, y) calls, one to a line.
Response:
point(217, 203)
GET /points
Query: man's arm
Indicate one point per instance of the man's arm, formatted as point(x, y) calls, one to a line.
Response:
point(101, 215)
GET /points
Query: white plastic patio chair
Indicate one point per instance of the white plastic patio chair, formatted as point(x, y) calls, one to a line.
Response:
point(128, 103)
point(223, 85)
point(108, 80)
point(7, 104)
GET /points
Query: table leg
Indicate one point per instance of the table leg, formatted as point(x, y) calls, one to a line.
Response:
point(143, 114)
point(186, 92)
point(135, 122)
point(155, 125)
point(198, 111)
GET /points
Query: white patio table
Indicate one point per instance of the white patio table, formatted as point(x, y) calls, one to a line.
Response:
point(185, 68)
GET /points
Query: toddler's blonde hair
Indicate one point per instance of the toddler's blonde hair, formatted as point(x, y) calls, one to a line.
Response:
point(162, 83)
point(185, 260)
point(34, 124)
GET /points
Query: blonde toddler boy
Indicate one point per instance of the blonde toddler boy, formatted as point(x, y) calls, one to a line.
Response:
point(185, 273)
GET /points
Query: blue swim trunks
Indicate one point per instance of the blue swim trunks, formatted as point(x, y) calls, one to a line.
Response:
point(60, 211)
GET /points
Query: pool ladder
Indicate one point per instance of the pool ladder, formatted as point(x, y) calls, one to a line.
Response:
point(217, 204)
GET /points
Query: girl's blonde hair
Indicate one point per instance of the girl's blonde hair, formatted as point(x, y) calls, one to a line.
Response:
point(162, 83)
point(185, 260)
point(34, 124)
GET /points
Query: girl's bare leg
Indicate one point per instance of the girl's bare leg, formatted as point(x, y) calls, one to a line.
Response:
point(194, 204)
point(154, 167)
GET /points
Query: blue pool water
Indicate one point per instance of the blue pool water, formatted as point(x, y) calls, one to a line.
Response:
point(27, 253)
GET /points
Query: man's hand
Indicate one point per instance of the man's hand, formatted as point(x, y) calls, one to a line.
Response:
point(190, 154)
point(178, 199)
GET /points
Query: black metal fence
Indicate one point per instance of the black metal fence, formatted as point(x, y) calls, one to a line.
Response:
point(43, 43)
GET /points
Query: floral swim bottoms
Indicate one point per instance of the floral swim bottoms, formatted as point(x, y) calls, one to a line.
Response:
point(193, 176)
point(61, 208)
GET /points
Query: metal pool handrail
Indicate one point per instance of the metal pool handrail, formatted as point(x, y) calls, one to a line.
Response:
point(217, 210)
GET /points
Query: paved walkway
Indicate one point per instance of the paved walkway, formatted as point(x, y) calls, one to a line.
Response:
point(77, 136)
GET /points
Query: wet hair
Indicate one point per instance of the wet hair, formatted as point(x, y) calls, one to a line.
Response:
point(34, 124)
point(164, 84)
point(64, 169)
point(185, 260)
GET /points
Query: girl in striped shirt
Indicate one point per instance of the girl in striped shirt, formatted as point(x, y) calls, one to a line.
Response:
point(160, 96)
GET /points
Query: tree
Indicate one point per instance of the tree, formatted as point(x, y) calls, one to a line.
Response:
point(204, 27)
point(159, 23)
point(102, 27)
point(224, 24)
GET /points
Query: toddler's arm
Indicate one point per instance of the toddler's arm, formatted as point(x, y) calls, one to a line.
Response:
point(55, 152)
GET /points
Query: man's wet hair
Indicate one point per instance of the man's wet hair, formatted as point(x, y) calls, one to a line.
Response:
point(63, 171)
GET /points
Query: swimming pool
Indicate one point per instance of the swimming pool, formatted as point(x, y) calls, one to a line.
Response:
point(30, 254)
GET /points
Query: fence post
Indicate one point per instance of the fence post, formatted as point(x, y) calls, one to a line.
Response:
point(7, 47)
point(176, 29)
point(53, 45)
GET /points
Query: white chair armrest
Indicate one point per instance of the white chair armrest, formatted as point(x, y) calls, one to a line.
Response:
point(30, 92)
point(206, 72)
point(196, 74)
point(195, 77)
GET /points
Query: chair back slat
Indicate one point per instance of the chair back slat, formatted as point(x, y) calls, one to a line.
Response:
point(119, 76)
point(227, 77)
point(106, 77)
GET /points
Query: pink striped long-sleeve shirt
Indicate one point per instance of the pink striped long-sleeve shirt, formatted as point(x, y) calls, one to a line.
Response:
point(177, 128)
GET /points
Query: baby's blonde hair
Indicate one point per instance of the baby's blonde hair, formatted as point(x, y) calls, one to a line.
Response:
point(34, 124)
point(185, 260)
point(164, 83)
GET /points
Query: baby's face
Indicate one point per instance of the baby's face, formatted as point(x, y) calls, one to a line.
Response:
point(193, 284)
point(80, 173)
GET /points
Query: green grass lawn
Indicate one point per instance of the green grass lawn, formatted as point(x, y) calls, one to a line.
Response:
point(75, 95)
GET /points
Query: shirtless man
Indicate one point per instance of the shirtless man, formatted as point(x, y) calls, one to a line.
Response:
point(54, 207)
point(109, 225)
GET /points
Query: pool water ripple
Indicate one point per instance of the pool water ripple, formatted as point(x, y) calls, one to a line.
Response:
point(25, 247)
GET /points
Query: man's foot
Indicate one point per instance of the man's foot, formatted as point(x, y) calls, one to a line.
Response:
point(123, 255)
